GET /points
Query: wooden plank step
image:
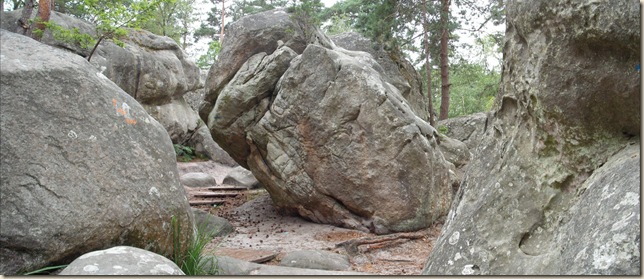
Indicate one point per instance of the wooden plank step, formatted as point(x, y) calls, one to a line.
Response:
point(215, 194)
point(206, 202)
point(227, 188)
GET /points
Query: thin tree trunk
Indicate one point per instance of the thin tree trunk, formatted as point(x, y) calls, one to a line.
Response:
point(95, 47)
point(44, 12)
point(444, 62)
point(428, 65)
point(223, 19)
point(23, 22)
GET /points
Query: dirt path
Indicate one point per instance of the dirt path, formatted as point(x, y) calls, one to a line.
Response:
point(262, 233)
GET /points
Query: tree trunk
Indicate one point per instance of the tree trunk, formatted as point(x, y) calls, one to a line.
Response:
point(428, 65)
point(444, 62)
point(23, 22)
point(44, 12)
point(223, 19)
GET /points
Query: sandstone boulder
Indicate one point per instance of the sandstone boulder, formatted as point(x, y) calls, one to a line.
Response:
point(337, 144)
point(251, 35)
point(553, 188)
point(121, 260)
point(396, 70)
point(327, 135)
point(241, 177)
point(84, 167)
point(153, 69)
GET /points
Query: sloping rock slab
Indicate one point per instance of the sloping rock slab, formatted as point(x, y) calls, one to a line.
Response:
point(232, 266)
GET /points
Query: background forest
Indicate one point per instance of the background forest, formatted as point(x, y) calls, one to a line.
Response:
point(454, 44)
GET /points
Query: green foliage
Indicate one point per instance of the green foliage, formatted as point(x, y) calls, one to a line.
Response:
point(184, 153)
point(473, 88)
point(45, 270)
point(192, 260)
point(443, 129)
point(339, 23)
point(306, 11)
point(206, 60)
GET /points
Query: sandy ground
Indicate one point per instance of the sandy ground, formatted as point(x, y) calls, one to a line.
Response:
point(260, 232)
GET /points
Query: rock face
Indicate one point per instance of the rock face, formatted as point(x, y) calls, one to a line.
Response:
point(553, 188)
point(324, 131)
point(469, 129)
point(396, 70)
point(152, 69)
point(122, 260)
point(84, 167)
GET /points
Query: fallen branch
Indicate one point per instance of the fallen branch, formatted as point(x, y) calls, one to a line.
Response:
point(351, 246)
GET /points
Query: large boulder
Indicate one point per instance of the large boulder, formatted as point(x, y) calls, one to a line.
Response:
point(553, 188)
point(396, 69)
point(251, 35)
point(84, 167)
point(327, 135)
point(153, 69)
point(121, 260)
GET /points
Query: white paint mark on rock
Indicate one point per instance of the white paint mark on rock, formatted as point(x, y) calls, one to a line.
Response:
point(454, 238)
point(468, 269)
point(154, 191)
point(457, 256)
point(117, 267)
point(72, 134)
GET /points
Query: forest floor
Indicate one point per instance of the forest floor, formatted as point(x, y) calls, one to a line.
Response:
point(262, 235)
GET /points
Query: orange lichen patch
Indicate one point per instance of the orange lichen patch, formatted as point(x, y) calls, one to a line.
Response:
point(114, 102)
point(121, 111)
point(130, 121)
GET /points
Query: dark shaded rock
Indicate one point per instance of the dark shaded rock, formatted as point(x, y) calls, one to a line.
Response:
point(210, 224)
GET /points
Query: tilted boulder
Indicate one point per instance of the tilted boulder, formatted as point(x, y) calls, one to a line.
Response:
point(396, 70)
point(325, 133)
point(553, 188)
point(84, 167)
point(251, 35)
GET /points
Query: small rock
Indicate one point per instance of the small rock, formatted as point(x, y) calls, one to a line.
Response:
point(316, 259)
point(213, 224)
point(240, 176)
point(197, 179)
point(122, 260)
